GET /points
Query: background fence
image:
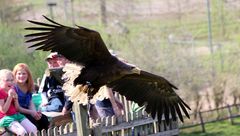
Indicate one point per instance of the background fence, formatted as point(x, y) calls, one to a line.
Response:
point(228, 112)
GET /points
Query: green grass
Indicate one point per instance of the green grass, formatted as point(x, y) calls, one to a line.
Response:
point(221, 128)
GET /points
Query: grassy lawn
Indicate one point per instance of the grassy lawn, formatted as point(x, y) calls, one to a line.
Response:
point(222, 128)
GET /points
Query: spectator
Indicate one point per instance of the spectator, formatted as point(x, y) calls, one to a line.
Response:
point(107, 104)
point(9, 117)
point(53, 98)
point(24, 88)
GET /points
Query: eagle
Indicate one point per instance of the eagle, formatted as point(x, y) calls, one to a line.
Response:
point(98, 67)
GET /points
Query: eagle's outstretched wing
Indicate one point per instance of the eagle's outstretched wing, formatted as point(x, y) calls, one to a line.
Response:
point(153, 91)
point(79, 45)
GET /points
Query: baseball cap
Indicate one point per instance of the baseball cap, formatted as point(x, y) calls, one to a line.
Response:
point(52, 55)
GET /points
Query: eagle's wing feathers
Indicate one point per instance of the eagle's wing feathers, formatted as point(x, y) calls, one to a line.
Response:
point(79, 45)
point(153, 91)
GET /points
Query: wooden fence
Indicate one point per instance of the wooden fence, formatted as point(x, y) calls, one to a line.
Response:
point(130, 124)
point(228, 112)
point(138, 124)
point(141, 124)
point(68, 129)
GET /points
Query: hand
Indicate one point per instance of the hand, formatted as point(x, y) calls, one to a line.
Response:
point(65, 111)
point(117, 111)
point(15, 97)
point(12, 93)
point(33, 113)
point(36, 115)
point(43, 104)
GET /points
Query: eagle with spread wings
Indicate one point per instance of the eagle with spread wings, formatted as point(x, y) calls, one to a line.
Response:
point(99, 67)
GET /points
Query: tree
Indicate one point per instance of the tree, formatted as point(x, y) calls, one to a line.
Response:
point(9, 13)
point(219, 86)
point(13, 51)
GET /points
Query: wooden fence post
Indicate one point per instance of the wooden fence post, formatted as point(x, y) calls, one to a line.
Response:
point(230, 114)
point(81, 119)
point(202, 122)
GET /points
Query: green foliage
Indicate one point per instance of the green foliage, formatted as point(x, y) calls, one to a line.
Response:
point(13, 51)
point(10, 40)
point(9, 12)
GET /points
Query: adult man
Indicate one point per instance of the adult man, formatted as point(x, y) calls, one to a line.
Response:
point(53, 98)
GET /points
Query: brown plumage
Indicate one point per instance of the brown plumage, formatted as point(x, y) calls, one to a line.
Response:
point(86, 48)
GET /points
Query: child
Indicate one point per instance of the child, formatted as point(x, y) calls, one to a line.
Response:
point(9, 117)
point(24, 89)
